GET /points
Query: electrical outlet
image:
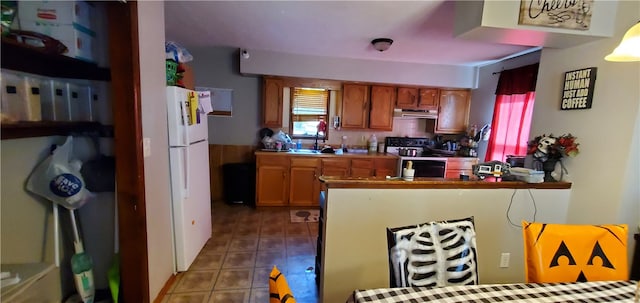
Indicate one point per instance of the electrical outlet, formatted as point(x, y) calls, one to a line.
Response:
point(504, 260)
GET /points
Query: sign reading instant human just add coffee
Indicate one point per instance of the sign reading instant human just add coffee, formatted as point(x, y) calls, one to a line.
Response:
point(577, 92)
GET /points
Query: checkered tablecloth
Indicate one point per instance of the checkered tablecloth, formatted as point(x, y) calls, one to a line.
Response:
point(603, 291)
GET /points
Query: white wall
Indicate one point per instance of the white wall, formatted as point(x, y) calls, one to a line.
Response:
point(217, 67)
point(605, 173)
point(154, 126)
point(293, 65)
point(356, 254)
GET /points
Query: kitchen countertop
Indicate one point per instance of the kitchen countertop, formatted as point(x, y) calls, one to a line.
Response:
point(427, 183)
point(311, 153)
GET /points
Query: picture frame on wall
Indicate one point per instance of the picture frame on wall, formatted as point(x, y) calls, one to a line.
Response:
point(575, 14)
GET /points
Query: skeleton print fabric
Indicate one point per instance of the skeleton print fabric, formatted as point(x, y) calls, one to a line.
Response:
point(433, 254)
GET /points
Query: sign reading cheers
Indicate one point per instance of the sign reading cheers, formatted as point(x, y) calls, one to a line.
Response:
point(571, 14)
point(578, 88)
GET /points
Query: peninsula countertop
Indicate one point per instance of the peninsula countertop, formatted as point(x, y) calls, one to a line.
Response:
point(429, 183)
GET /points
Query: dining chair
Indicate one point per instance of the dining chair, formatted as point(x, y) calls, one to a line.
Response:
point(279, 291)
point(574, 253)
point(435, 253)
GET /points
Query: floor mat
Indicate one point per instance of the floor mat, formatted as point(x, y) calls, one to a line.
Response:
point(304, 215)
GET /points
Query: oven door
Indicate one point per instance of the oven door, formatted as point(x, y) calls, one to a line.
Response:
point(424, 167)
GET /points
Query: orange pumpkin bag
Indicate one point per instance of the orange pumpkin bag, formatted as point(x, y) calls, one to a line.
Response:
point(570, 253)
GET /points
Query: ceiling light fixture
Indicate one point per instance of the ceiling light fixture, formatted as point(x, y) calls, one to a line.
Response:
point(381, 44)
point(629, 48)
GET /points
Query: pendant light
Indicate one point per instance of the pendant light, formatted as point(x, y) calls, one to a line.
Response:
point(629, 48)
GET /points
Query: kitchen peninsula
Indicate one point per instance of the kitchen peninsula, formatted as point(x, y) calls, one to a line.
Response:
point(352, 243)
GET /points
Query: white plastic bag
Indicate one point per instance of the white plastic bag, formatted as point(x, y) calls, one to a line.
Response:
point(59, 180)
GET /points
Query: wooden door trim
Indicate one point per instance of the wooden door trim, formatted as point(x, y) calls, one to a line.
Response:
point(130, 193)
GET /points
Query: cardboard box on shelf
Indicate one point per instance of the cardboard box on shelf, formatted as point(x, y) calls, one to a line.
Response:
point(78, 41)
point(56, 12)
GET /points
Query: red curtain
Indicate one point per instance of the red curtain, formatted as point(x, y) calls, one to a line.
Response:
point(515, 96)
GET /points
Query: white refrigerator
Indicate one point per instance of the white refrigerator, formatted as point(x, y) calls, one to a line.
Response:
point(189, 161)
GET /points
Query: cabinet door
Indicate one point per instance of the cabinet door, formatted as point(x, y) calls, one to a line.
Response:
point(407, 98)
point(453, 112)
point(457, 166)
point(385, 167)
point(305, 186)
point(272, 102)
point(355, 106)
point(362, 168)
point(383, 99)
point(272, 181)
point(428, 98)
point(335, 167)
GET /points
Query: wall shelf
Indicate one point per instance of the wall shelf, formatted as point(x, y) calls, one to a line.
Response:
point(51, 128)
point(29, 60)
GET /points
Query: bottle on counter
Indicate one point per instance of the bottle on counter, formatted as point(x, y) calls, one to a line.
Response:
point(373, 144)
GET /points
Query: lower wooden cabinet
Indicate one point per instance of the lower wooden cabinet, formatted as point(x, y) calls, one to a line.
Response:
point(272, 181)
point(383, 167)
point(287, 180)
point(304, 183)
point(362, 168)
point(457, 166)
point(335, 167)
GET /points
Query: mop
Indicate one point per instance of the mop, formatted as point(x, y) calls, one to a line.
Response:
point(81, 265)
point(59, 180)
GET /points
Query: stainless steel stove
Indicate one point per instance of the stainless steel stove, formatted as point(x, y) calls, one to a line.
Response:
point(425, 166)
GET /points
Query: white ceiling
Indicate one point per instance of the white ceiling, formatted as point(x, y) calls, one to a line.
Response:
point(422, 30)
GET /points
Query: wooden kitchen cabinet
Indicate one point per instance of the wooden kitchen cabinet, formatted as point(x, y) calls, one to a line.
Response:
point(385, 167)
point(335, 167)
point(304, 183)
point(355, 106)
point(407, 98)
point(272, 180)
point(417, 98)
point(457, 166)
point(362, 168)
point(272, 102)
point(453, 111)
point(383, 99)
point(428, 98)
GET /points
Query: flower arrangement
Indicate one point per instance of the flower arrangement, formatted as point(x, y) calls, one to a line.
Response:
point(551, 147)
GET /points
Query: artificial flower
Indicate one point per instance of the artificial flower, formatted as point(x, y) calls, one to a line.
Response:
point(550, 146)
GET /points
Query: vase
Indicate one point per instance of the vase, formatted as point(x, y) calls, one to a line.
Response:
point(548, 167)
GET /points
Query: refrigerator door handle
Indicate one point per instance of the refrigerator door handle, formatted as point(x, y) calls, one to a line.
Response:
point(185, 123)
point(187, 183)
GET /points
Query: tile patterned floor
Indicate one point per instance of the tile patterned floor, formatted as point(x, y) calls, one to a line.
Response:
point(234, 265)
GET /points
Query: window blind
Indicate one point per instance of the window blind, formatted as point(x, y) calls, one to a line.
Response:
point(309, 102)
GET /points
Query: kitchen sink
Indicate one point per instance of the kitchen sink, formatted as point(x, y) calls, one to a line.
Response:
point(305, 151)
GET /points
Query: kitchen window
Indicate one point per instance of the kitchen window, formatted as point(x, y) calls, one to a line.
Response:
point(309, 106)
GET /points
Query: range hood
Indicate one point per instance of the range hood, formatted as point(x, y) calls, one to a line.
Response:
point(415, 113)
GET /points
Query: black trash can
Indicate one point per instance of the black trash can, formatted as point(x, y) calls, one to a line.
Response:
point(239, 183)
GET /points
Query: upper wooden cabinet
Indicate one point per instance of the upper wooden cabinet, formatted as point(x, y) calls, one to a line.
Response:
point(407, 98)
point(362, 110)
point(417, 98)
point(383, 99)
point(272, 102)
point(355, 106)
point(453, 111)
point(428, 98)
